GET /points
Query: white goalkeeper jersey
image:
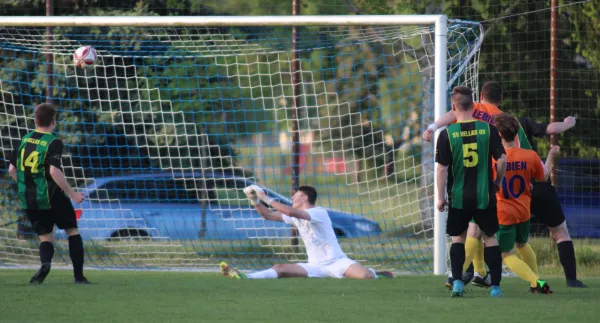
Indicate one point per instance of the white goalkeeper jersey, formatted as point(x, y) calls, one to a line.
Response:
point(322, 246)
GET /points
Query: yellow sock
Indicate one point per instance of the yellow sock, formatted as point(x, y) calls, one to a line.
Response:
point(479, 261)
point(528, 256)
point(470, 250)
point(474, 252)
point(520, 268)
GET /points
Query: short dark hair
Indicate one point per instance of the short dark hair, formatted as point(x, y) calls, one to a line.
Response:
point(462, 97)
point(44, 114)
point(492, 92)
point(507, 125)
point(310, 192)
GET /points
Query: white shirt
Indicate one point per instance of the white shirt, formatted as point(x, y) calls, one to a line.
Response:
point(322, 246)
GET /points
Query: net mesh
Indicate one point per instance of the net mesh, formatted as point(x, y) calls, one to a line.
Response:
point(170, 124)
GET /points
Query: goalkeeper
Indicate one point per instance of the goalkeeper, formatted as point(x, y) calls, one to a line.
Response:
point(325, 256)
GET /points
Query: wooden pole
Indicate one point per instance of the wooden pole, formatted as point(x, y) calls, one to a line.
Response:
point(553, 30)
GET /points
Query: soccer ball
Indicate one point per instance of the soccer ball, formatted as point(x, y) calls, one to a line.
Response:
point(85, 56)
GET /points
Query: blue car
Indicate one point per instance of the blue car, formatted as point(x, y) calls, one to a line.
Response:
point(188, 206)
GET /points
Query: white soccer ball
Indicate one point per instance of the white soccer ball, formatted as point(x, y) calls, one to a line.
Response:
point(85, 56)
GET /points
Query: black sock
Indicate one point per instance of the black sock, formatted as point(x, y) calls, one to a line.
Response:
point(493, 258)
point(566, 253)
point(457, 259)
point(76, 253)
point(46, 252)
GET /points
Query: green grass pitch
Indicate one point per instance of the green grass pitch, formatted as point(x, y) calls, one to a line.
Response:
point(128, 296)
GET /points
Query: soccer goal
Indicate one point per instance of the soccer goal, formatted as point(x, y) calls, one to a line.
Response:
point(179, 114)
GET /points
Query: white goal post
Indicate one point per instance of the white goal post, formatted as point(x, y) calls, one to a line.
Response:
point(440, 62)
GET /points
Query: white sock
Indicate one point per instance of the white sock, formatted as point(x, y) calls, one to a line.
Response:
point(265, 274)
point(373, 272)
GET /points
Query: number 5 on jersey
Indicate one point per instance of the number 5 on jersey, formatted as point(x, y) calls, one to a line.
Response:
point(31, 161)
point(470, 157)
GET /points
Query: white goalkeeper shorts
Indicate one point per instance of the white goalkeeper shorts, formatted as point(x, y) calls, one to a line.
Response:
point(334, 270)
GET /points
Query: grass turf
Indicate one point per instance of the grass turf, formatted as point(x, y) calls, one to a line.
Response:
point(127, 296)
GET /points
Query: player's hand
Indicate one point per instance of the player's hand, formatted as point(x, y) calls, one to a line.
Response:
point(441, 205)
point(77, 197)
point(251, 195)
point(554, 151)
point(570, 122)
point(261, 194)
point(427, 135)
point(498, 184)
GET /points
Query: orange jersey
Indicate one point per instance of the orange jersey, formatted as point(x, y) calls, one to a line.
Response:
point(485, 112)
point(514, 198)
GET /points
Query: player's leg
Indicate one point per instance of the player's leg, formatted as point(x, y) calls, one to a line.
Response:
point(524, 249)
point(546, 206)
point(348, 268)
point(488, 222)
point(456, 227)
point(42, 224)
point(64, 216)
point(566, 254)
point(277, 271)
point(521, 240)
point(474, 250)
point(527, 254)
point(507, 236)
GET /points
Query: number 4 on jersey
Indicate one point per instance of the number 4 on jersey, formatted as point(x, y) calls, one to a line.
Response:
point(31, 161)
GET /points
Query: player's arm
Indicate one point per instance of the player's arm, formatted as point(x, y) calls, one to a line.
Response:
point(12, 169)
point(445, 120)
point(54, 160)
point(279, 207)
point(443, 157)
point(267, 213)
point(556, 128)
point(548, 167)
point(290, 211)
point(498, 154)
point(541, 129)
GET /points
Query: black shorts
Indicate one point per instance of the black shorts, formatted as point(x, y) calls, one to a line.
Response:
point(458, 221)
point(545, 205)
point(61, 213)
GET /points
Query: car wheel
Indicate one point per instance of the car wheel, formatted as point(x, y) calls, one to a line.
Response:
point(129, 234)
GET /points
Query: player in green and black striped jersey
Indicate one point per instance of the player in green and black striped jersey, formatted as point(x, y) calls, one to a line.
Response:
point(545, 204)
point(464, 153)
point(44, 191)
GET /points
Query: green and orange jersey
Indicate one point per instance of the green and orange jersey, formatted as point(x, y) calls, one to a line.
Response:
point(514, 197)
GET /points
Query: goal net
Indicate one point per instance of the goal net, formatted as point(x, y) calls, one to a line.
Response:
point(171, 123)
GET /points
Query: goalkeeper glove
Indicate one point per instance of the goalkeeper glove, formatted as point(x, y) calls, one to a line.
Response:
point(261, 194)
point(251, 195)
